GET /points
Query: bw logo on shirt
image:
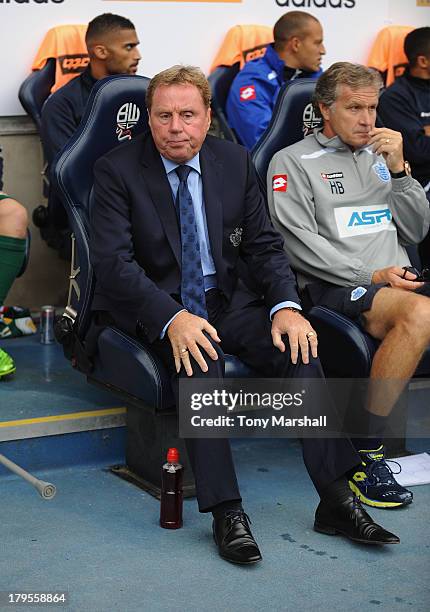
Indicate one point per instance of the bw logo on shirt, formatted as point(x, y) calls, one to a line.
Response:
point(247, 93)
point(279, 182)
point(127, 117)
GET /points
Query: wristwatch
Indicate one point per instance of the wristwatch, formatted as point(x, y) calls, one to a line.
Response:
point(405, 172)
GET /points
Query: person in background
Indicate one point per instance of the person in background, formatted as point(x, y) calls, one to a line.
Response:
point(112, 45)
point(13, 232)
point(296, 53)
point(174, 210)
point(405, 107)
point(346, 208)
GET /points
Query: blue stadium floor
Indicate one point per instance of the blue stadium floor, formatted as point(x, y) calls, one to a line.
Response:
point(99, 538)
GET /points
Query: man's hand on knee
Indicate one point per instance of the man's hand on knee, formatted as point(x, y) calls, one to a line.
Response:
point(396, 277)
point(299, 331)
point(186, 336)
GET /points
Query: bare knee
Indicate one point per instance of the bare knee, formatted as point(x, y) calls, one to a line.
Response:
point(13, 219)
point(413, 319)
point(417, 318)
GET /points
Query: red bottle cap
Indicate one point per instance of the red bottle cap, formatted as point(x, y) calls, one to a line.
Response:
point(173, 455)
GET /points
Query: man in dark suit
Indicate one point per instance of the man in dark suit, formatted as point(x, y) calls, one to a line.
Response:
point(174, 210)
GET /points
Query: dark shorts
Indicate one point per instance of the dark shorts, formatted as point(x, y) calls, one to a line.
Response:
point(1, 171)
point(350, 301)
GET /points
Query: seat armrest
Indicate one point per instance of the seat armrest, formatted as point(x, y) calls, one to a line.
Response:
point(344, 348)
point(128, 365)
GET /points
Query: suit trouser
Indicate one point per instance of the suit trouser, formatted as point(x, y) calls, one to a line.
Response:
point(245, 332)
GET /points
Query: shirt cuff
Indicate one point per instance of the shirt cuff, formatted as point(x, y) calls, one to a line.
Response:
point(163, 333)
point(284, 305)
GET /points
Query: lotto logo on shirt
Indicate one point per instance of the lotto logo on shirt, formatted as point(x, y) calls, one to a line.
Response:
point(247, 93)
point(279, 182)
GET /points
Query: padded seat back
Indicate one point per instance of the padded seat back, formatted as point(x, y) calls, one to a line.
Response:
point(387, 54)
point(293, 118)
point(220, 82)
point(115, 112)
point(64, 43)
point(35, 90)
point(243, 43)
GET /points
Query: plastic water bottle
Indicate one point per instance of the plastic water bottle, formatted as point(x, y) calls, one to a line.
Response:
point(171, 491)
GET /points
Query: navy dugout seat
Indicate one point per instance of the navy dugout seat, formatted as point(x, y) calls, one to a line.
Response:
point(293, 117)
point(36, 89)
point(32, 94)
point(220, 82)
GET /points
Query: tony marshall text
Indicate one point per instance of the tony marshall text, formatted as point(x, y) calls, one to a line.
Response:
point(240, 420)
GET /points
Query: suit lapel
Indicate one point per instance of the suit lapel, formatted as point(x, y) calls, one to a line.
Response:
point(211, 169)
point(161, 194)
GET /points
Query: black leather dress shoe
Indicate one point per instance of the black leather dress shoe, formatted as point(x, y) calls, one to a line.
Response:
point(234, 539)
point(350, 519)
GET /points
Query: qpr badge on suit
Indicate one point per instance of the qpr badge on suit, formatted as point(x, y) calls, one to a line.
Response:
point(236, 237)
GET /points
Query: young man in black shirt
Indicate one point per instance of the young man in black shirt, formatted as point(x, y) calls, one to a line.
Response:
point(405, 107)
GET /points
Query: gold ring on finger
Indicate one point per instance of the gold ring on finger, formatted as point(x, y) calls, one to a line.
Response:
point(184, 350)
point(310, 334)
point(387, 141)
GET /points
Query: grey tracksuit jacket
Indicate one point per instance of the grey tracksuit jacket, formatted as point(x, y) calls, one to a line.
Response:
point(341, 214)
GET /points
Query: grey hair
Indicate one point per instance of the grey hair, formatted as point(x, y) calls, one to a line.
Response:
point(343, 73)
point(180, 75)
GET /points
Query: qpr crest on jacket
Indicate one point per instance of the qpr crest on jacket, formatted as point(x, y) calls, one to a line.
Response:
point(236, 236)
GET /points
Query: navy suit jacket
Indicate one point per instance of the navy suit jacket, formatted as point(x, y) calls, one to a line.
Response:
point(135, 241)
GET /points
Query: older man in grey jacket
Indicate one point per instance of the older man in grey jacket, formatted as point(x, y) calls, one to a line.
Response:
point(346, 204)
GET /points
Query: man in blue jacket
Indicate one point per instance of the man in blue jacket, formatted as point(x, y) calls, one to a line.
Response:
point(296, 53)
